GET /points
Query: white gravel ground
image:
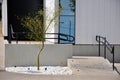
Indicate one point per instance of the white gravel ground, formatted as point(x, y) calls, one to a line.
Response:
point(44, 70)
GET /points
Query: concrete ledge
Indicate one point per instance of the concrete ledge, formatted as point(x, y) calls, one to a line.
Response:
point(89, 64)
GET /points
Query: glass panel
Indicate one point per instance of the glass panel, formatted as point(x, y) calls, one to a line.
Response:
point(67, 20)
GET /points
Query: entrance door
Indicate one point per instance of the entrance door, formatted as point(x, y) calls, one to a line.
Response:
point(67, 19)
point(21, 8)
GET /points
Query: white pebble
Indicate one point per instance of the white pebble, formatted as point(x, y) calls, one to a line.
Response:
point(51, 70)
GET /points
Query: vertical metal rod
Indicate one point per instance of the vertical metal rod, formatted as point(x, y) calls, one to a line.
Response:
point(58, 38)
point(9, 34)
point(113, 57)
point(99, 46)
point(69, 29)
point(105, 48)
point(17, 38)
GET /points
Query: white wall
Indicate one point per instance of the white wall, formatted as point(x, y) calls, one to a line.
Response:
point(97, 17)
point(51, 7)
point(4, 18)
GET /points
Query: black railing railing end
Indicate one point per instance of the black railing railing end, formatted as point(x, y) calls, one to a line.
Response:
point(103, 40)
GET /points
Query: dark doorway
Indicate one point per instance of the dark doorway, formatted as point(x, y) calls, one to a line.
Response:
point(21, 8)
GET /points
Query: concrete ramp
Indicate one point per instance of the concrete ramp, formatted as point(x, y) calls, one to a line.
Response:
point(90, 65)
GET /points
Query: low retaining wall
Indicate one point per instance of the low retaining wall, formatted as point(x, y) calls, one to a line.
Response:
point(52, 55)
point(26, 54)
point(92, 50)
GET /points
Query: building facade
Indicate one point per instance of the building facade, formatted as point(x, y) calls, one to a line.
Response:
point(90, 18)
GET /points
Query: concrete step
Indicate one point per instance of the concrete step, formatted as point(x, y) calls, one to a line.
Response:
point(117, 65)
point(89, 64)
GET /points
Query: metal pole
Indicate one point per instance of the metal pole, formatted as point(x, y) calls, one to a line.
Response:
point(105, 48)
point(58, 38)
point(99, 46)
point(9, 34)
point(113, 57)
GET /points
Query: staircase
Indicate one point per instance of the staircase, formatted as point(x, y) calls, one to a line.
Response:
point(90, 65)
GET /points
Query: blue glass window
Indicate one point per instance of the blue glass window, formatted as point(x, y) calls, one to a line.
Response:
point(67, 20)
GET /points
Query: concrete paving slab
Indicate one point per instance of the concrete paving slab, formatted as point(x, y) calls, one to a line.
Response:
point(83, 74)
point(15, 76)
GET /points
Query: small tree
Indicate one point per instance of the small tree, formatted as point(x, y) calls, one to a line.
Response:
point(37, 30)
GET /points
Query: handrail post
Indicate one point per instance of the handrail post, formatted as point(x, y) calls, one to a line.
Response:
point(113, 57)
point(99, 46)
point(17, 38)
point(9, 34)
point(58, 38)
point(105, 48)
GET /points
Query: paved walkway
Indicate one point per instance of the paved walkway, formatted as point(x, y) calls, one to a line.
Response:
point(95, 76)
point(90, 71)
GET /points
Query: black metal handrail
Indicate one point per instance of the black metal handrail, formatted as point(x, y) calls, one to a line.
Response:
point(58, 36)
point(106, 44)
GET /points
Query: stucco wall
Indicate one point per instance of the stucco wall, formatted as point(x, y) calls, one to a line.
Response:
point(51, 7)
point(97, 17)
point(25, 54)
